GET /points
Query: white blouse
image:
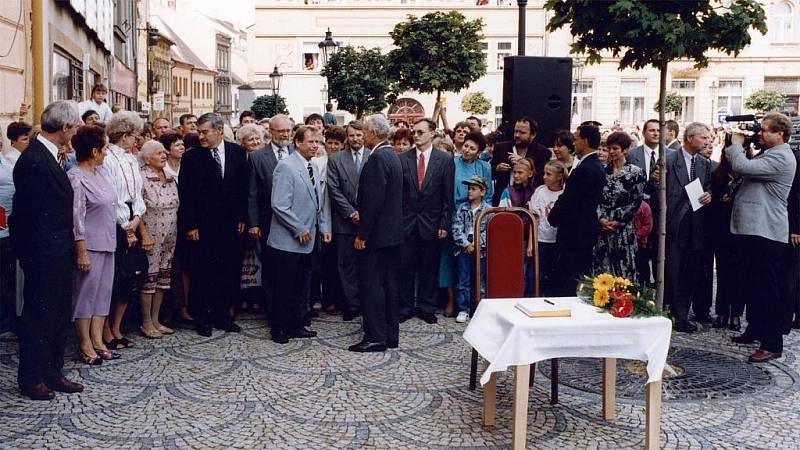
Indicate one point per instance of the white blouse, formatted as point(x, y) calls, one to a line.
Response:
point(124, 175)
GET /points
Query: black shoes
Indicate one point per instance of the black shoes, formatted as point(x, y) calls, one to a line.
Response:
point(228, 326)
point(302, 333)
point(367, 347)
point(743, 338)
point(685, 327)
point(204, 330)
point(703, 318)
point(280, 338)
point(429, 318)
point(347, 316)
point(392, 344)
point(405, 316)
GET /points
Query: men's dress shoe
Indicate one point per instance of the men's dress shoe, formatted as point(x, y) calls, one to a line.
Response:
point(229, 326)
point(743, 338)
point(307, 321)
point(761, 356)
point(204, 330)
point(685, 327)
point(302, 333)
point(367, 347)
point(347, 316)
point(405, 316)
point(280, 338)
point(720, 322)
point(429, 318)
point(313, 313)
point(392, 344)
point(38, 392)
point(65, 386)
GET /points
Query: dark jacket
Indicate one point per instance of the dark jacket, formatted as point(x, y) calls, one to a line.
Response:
point(536, 152)
point(40, 225)
point(793, 201)
point(261, 164)
point(380, 199)
point(678, 205)
point(343, 189)
point(575, 211)
point(427, 211)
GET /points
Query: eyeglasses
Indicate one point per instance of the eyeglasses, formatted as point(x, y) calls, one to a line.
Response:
point(420, 132)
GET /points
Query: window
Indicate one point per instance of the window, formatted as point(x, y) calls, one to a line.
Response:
point(503, 50)
point(67, 77)
point(686, 90)
point(729, 97)
point(790, 87)
point(582, 101)
point(781, 29)
point(485, 51)
point(631, 101)
point(311, 56)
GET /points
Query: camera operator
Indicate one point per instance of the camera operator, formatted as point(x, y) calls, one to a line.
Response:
point(760, 224)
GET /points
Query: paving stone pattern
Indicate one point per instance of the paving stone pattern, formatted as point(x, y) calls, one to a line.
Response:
point(243, 391)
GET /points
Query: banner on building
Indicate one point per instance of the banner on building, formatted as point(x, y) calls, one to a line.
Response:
point(158, 101)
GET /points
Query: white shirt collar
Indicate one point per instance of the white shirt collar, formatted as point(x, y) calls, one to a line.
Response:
point(51, 147)
point(648, 149)
point(427, 152)
point(577, 161)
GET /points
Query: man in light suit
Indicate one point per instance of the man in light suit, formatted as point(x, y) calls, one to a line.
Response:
point(344, 169)
point(380, 234)
point(428, 177)
point(297, 219)
point(262, 164)
point(760, 222)
point(685, 230)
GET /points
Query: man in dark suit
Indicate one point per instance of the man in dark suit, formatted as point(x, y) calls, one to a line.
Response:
point(262, 164)
point(685, 228)
point(380, 234)
point(428, 177)
point(507, 153)
point(344, 169)
point(575, 212)
point(212, 215)
point(41, 235)
point(792, 301)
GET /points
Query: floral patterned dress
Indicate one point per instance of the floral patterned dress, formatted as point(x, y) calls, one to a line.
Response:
point(161, 221)
point(615, 253)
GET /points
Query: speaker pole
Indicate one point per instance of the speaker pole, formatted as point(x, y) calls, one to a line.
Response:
point(521, 30)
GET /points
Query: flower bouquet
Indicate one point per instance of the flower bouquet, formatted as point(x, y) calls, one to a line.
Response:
point(618, 296)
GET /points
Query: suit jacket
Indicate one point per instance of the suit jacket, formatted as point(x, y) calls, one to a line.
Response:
point(427, 211)
point(262, 164)
point(380, 199)
point(343, 189)
point(40, 225)
point(575, 211)
point(793, 201)
point(297, 205)
point(676, 145)
point(637, 157)
point(678, 205)
point(537, 152)
point(760, 206)
point(208, 202)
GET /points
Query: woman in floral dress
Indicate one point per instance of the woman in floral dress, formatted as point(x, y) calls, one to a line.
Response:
point(615, 250)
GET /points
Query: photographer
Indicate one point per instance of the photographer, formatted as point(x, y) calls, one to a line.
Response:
point(760, 223)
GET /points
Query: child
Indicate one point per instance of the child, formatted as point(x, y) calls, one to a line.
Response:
point(463, 240)
point(545, 196)
point(518, 194)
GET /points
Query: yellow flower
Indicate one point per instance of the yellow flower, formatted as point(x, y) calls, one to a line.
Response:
point(601, 298)
point(622, 282)
point(603, 282)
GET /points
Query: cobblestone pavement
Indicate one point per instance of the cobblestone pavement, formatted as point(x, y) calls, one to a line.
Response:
point(243, 391)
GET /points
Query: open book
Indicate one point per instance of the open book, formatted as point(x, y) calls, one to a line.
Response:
point(543, 307)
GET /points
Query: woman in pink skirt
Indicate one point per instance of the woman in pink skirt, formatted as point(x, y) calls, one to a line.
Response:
point(94, 226)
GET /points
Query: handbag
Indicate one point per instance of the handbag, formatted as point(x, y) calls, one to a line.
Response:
point(130, 263)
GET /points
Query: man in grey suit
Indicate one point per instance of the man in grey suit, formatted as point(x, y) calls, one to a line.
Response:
point(297, 220)
point(344, 169)
point(761, 224)
point(673, 130)
point(685, 236)
point(259, 200)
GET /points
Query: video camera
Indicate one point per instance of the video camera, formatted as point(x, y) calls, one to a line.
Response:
point(746, 122)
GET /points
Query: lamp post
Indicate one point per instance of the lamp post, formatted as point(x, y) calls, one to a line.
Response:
point(275, 78)
point(328, 47)
point(522, 4)
point(713, 101)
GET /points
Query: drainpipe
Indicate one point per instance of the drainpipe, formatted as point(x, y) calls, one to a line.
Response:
point(37, 45)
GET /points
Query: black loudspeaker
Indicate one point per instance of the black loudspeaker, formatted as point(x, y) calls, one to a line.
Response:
point(538, 87)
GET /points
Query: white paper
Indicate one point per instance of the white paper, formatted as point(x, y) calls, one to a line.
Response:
point(694, 190)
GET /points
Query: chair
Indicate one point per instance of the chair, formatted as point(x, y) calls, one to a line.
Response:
point(504, 270)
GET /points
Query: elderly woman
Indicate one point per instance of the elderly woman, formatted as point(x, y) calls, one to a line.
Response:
point(161, 224)
point(123, 172)
point(250, 137)
point(615, 250)
point(94, 225)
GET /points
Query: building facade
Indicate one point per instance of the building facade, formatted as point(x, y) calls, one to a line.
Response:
point(16, 63)
point(286, 33)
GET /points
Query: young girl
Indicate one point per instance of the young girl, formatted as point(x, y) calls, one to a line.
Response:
point(518, 194)
point(545, 196)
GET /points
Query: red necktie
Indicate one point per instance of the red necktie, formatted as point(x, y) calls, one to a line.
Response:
point(421, 170)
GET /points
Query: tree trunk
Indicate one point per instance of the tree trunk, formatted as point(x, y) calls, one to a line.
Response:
point(662, 187)
point(437, 107)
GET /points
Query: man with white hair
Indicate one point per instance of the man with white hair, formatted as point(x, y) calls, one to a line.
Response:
point(42, 237)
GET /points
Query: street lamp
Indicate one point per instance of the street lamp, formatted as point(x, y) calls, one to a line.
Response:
point(328, 47)
point(275, 78)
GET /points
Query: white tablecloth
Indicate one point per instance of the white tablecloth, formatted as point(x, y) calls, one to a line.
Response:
point(505, 336)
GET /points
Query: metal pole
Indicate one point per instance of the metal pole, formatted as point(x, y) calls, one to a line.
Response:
point(521, 29)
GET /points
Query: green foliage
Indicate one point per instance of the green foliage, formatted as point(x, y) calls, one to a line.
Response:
point(358, 79)
point(437, 52)
point(765, 101)
point(476, 103)
point(268, 106)
point(674, 103)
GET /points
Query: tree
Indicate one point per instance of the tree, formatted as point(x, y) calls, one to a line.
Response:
point(439, 52)
point(476, 103)
point(358, 79)
point(765, 101)
point(268, 106)
point(673, 103)
point(653, 33)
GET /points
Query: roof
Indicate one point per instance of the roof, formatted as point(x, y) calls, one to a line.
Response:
point(180, 51)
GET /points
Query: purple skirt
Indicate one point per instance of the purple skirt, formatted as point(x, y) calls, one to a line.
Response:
point(91, 292)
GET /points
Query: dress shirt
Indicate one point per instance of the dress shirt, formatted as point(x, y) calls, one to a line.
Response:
point(516, 152)
point(52, 148)
point(647, 152)
point(688, 159)
point(124, 175)
point(102, 109)
point(427, 154)
point(221, 152)
point(275, 151)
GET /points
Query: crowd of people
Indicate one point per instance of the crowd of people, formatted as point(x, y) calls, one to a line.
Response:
point(373, 219)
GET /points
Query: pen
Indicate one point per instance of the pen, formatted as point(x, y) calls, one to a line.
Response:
point(549, 302)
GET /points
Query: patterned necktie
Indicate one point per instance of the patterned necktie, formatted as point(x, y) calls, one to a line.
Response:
point(652, 163)
point(280, 153)
point(692, 171)
point(421, 170)
point(62, 160)
point(215, 154)
point(358, 163)
point(313, 182)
